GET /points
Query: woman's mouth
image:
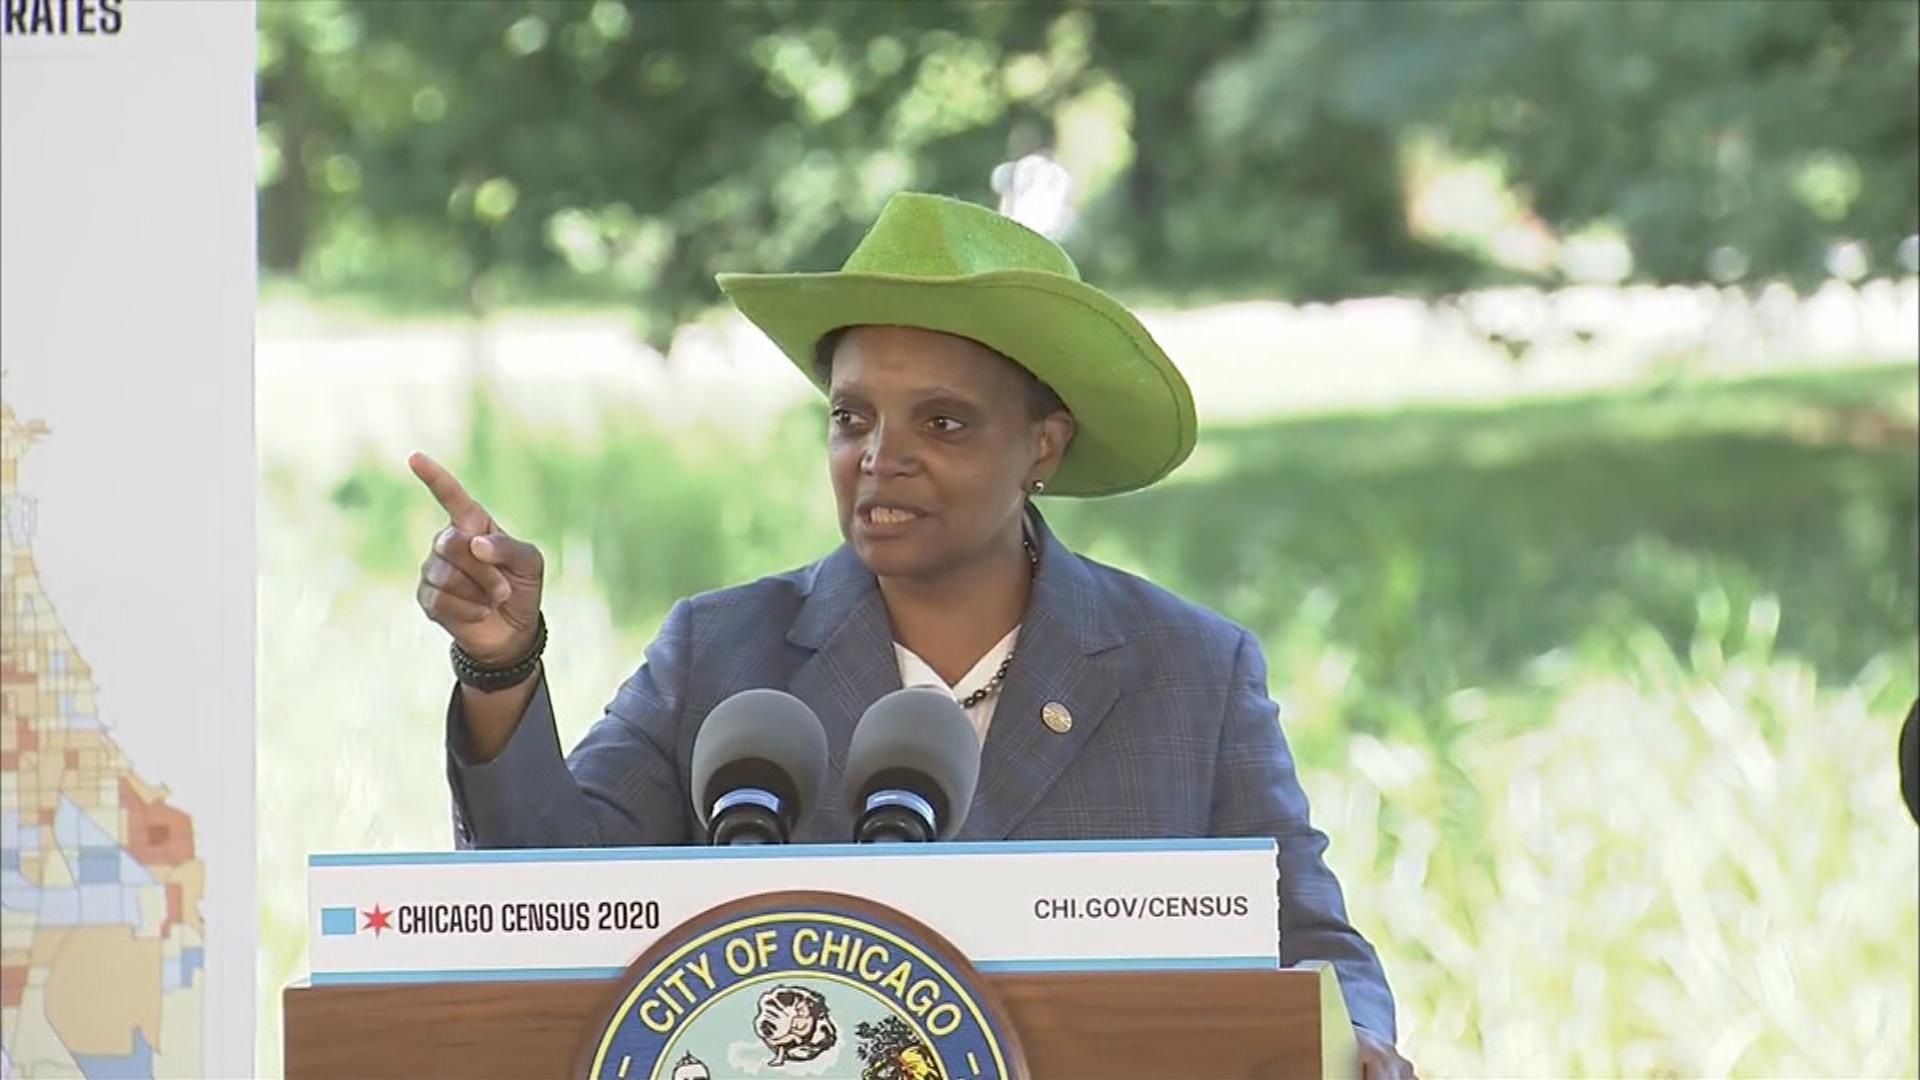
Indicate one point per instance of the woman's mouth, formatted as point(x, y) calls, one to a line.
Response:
point(885, 519)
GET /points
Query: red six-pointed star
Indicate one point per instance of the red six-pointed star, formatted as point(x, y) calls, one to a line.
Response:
point(377, 920)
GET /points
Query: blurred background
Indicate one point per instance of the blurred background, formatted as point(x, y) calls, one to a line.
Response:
point(1557, 371)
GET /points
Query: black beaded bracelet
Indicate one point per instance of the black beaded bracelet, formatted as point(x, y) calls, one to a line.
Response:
point(489, 679)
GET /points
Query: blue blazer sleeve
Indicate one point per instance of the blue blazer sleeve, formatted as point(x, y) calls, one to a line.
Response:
point(620, 786)
point(1257, 793)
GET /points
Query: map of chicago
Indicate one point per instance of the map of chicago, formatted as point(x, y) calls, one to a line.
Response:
point(102, 950)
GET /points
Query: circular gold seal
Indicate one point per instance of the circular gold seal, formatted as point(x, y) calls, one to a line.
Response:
point(1056, 717)
point(805, 984)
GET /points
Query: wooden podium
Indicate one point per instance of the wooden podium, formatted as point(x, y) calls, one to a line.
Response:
point(1108, 1026)
point(1104, 959)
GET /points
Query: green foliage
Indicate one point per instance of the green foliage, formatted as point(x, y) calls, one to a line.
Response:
point(1767, 128)
point(1674, 863)
point(689, 511)
point(1444, 548)
point(1453, 548)
point(467, 154)
point(632, 150)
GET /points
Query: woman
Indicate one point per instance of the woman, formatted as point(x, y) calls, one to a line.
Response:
point(967, 369)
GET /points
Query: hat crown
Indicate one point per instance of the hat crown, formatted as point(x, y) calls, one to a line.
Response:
point(932, 236)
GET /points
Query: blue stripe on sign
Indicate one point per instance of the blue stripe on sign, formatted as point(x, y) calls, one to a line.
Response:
point(787, 851)
point(335, 921)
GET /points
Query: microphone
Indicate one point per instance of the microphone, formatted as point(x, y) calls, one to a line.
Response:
point(1910, 761)
point(758, 763)
point(911, 768)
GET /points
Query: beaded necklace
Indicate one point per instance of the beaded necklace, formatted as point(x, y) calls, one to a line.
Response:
point(1006, 663)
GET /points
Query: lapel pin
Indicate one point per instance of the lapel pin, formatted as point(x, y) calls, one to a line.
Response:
point(1056, 717)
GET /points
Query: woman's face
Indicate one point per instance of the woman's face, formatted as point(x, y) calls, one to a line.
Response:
point(932, 443)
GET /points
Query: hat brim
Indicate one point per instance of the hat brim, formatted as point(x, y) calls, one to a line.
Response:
point(1133, 413)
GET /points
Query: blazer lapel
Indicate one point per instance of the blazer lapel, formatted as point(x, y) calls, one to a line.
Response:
point(1065, 626)
point(844, 621)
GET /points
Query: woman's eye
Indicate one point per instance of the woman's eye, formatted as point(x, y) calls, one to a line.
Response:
point(841, 417)
point(946, 425)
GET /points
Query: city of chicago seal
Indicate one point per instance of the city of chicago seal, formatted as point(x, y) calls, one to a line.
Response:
point(802, 985)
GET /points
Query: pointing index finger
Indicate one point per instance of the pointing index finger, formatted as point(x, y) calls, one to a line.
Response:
point(468, 515)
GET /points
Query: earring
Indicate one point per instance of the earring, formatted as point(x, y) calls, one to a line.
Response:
point(1037, 487)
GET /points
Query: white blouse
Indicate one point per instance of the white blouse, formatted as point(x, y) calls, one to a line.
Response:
point(917, 672)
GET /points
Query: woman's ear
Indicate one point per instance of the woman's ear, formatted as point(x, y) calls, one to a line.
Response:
point(1055, 434)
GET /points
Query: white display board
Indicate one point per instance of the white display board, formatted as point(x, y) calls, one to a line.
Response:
point(127, 909)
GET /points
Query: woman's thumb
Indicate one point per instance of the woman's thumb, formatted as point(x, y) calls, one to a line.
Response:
point(513, 556)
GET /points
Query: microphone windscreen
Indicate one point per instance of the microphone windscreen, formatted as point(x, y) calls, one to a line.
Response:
point(1910, 761)
point(923, 731)
point(755, 730)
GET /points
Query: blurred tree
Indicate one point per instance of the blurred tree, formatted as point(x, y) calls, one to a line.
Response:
point(1722, 139)
point(1282, 196)
point(615, 149)
point(450, 152)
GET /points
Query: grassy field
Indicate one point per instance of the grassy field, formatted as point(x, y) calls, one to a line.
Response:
point(1597, 696)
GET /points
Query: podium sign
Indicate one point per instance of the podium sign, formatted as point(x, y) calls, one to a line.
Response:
point(1043, 906)
point(1126, 960)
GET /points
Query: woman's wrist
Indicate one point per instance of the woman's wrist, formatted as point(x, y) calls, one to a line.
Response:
point(489, 675)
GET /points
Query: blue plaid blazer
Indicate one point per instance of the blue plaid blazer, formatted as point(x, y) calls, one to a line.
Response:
point(1174, 734)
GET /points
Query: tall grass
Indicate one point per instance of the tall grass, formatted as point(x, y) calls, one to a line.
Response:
point(1682, 864)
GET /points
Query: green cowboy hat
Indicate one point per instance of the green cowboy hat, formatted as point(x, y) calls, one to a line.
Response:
point(942, 264)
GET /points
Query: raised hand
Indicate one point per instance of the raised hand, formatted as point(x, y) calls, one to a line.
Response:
point(479, 583)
